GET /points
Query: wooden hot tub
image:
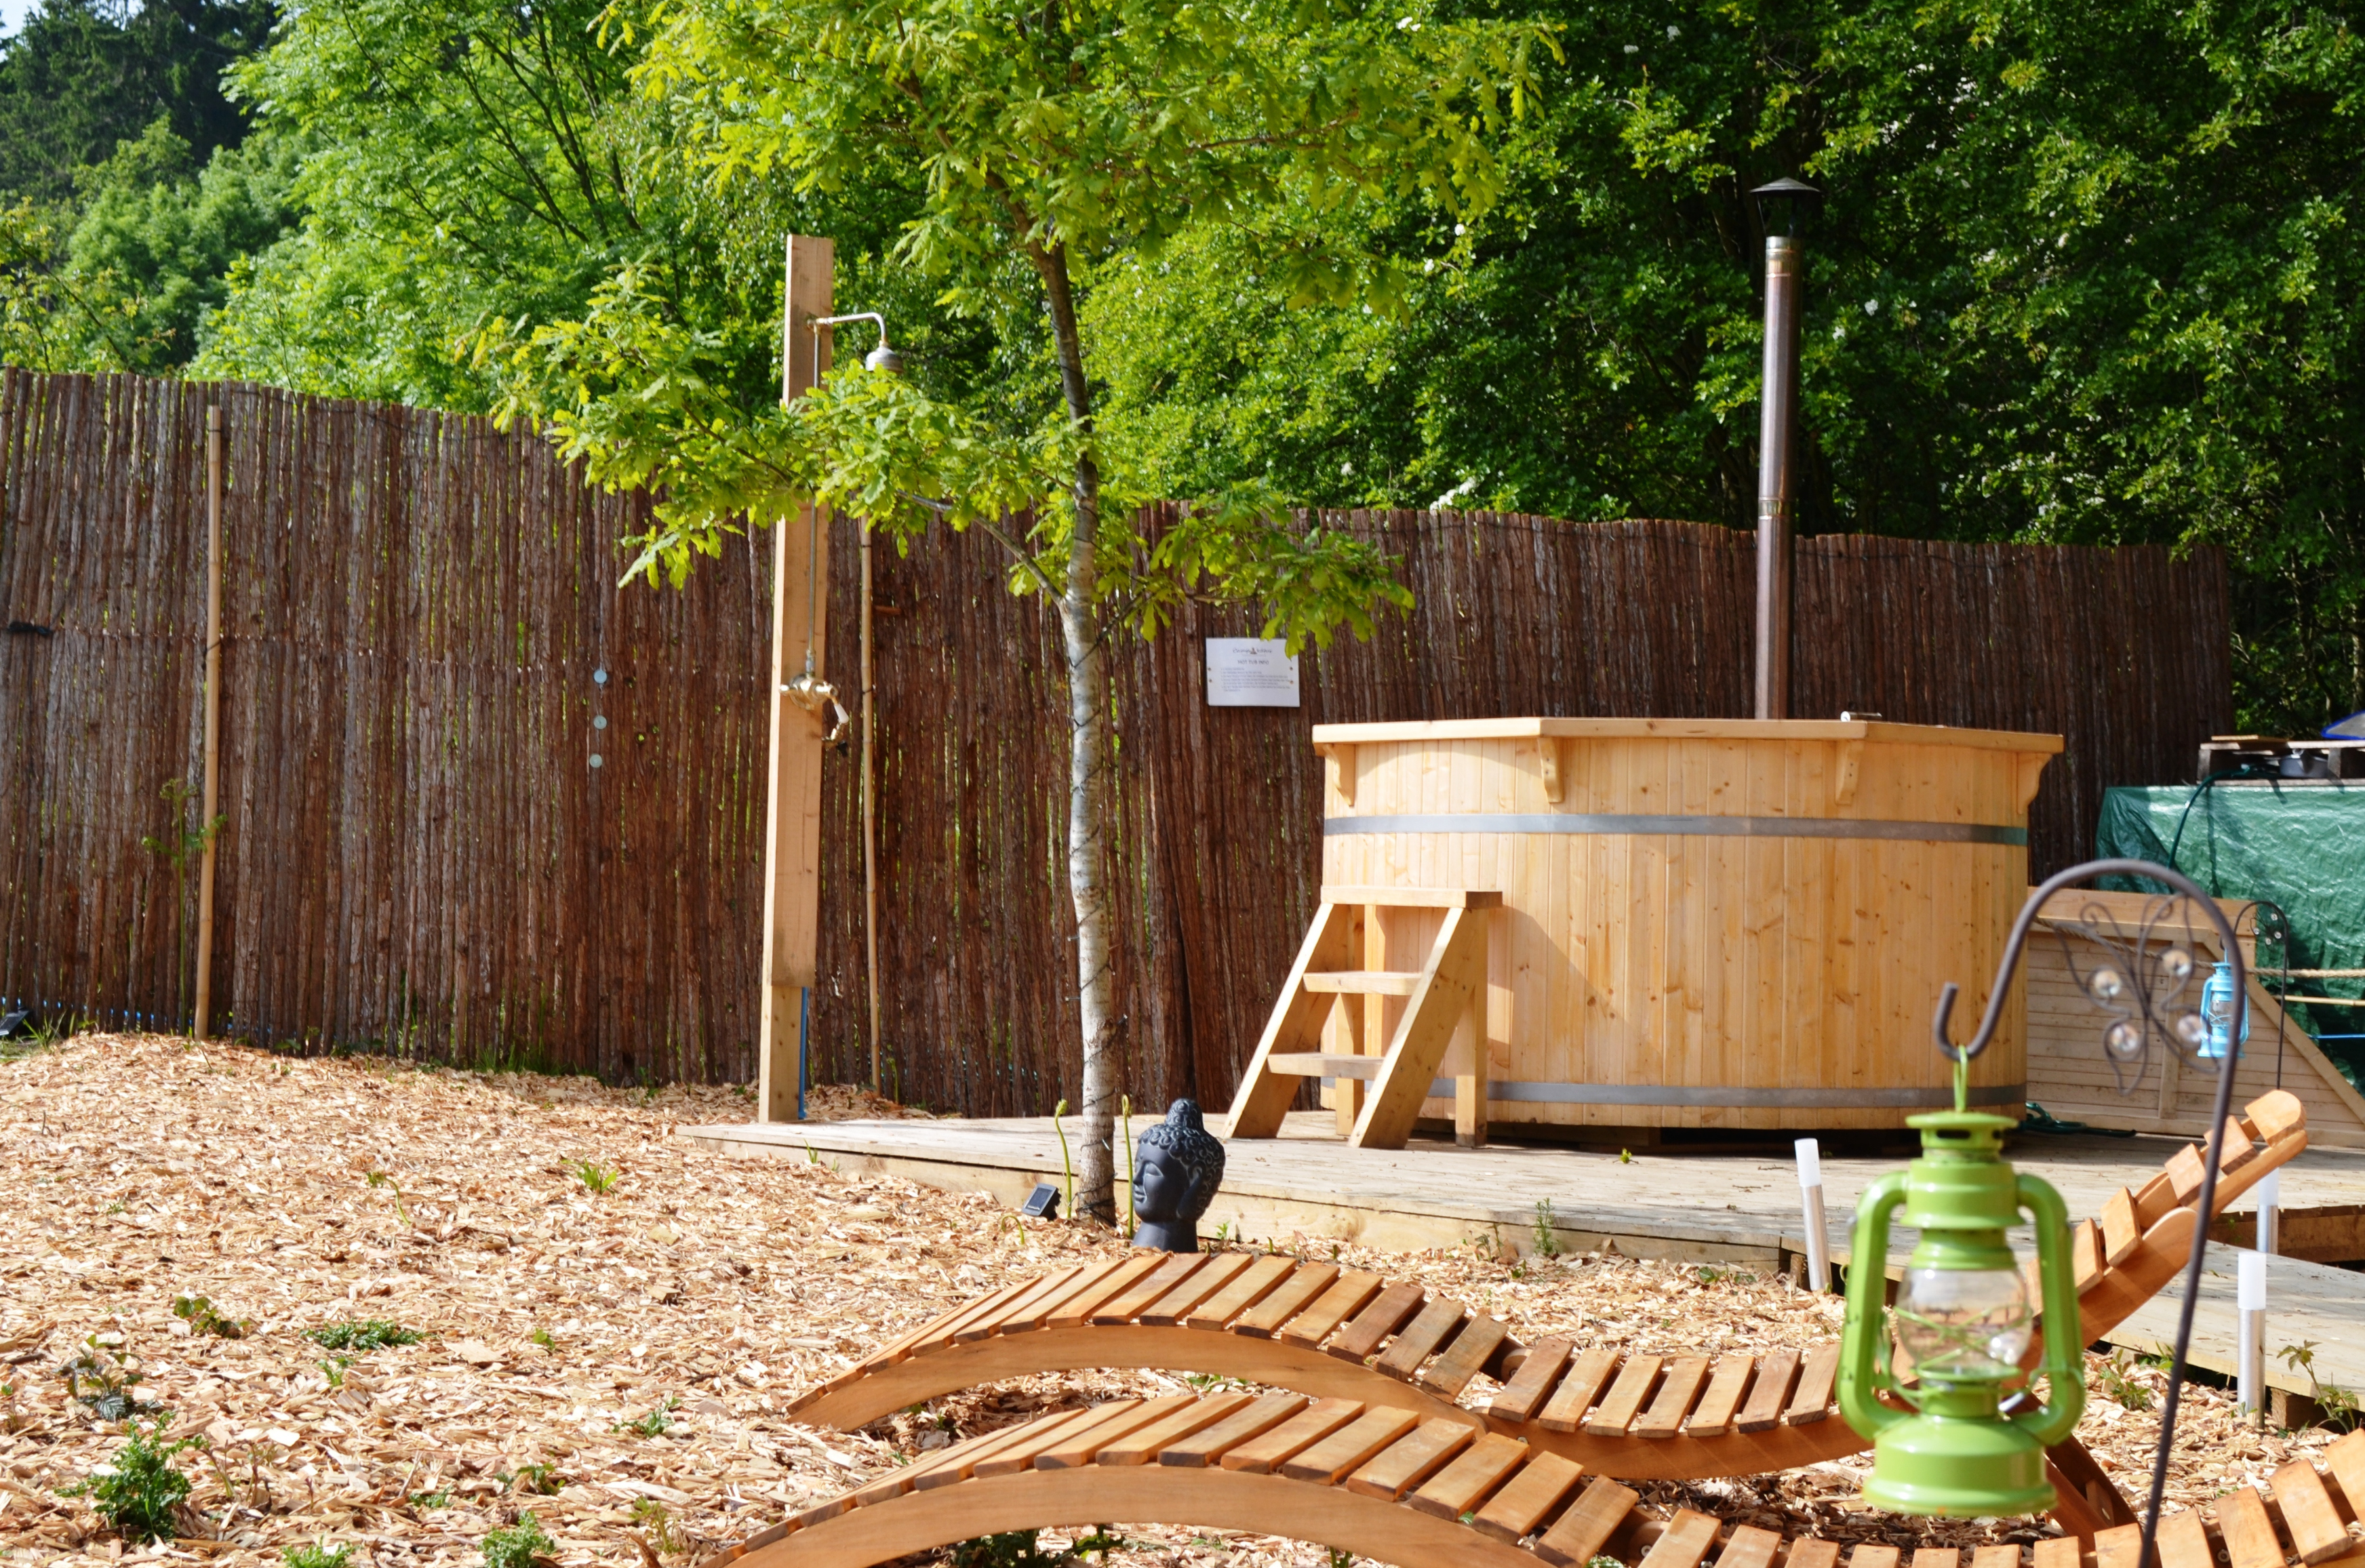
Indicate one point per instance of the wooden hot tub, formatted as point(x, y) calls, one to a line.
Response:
point(1702, 923)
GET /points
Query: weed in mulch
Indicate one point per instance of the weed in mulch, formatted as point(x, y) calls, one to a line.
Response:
point(656, 1423)
point(1011, 1549)
point(202, 1318)
point(371, 1334)
point(522, 1545)
point(139, 1491)
point(102, 1381)
point(599, 1178)
point(320, 1555)
point(541, 1480)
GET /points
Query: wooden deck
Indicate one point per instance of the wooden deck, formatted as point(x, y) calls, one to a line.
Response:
point(1696, 1207)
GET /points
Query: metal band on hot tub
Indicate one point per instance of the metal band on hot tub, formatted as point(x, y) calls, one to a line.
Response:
point(1741, 1098)
point(1701, 826)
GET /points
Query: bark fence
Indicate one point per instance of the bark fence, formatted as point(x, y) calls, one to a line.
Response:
point(425, 650)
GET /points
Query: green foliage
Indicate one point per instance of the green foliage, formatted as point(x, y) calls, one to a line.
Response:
point(320, 1554)
point(520, 1546)
point(655, 1423)
point(664, 1535)
point(368, 1334)
point(540, 1479)
point(97, 1377)
point(202, 1318)
point(598, 1178)
point(1547, 1230)
point(79, 77)
point(138, 1491)
point(2116, 1378)
point(2338, 1406)
point(1011, 1549)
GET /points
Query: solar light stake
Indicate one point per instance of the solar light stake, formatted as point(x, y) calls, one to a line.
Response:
point(1783, 207)
point(2270, 1212)
point(2250, 1297)
point(1811, 1193)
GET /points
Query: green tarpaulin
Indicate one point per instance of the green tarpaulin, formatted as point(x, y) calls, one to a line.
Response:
point(2299, 847)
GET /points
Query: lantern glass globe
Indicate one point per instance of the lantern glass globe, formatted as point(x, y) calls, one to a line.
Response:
point(1963, 1325)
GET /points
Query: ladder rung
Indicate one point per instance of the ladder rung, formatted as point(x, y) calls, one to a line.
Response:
point(1320, 1064)
point(1415, 898)
point(1365, 982)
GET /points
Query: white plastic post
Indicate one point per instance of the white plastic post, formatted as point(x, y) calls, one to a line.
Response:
point(2270, 1212)
point(1811, 1193)
point(2251, 1296)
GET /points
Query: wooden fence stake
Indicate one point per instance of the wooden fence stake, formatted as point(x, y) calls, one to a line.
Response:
point(209, 805)
point(792, 813)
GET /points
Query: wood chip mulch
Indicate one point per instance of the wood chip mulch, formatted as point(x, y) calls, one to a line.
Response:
point(610, 1321)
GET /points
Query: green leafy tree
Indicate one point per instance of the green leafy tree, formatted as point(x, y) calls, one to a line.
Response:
point(2088, 274)
point(1042, 143)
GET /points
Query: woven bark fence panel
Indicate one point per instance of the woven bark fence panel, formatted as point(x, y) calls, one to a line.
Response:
point(418, 855)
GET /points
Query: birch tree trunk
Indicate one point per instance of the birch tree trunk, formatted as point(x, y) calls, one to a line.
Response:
point(1088, 782)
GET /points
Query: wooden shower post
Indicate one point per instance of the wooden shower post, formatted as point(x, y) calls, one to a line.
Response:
point(210, 804)
point(792, 813)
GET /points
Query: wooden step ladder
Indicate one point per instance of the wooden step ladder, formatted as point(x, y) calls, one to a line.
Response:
point(1377, 1091)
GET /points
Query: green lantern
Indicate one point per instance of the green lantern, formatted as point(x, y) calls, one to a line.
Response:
point(1962, 1318)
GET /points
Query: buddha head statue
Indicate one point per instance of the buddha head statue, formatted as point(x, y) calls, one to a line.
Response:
point(1177, 1165)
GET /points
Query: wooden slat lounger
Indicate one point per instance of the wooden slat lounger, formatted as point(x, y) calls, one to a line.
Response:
point(1340, 1334)
point(1384, 1484)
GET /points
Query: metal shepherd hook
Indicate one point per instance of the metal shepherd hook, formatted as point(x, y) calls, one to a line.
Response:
point(2230, 947)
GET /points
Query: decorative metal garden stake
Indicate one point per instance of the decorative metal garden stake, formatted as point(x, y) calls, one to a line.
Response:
point(1783, 207)
point(1963, 1319)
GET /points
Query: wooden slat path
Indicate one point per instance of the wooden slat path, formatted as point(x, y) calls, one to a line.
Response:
point(1431, 1494)
point(1353, 1338)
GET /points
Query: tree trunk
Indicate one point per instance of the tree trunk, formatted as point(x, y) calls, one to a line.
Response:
point(1088, 780)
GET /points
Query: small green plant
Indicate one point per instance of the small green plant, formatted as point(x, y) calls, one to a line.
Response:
point(1013, 1548)
point(1341, 1559)
point(380, 1179)
point(370, 1334)
point(200, 1314)
point(334, 1368)
point(2338, 1406)
point(1101, 1541)
point(1547, 1236)
point(1067, 1195)
point(2117, 1377)
point(520, 1546)
point(541, 1338)
point(139, 1491)
point(439, 1498)
point(1625, 1157)
point(656, 1423)
point(540, 1478)
point(662, 1536)
point(599, 1178)
point(320, 1554)
point(103, 1382)
point(1222, 1237)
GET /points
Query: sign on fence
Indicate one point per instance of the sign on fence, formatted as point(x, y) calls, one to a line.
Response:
point(1250, 672)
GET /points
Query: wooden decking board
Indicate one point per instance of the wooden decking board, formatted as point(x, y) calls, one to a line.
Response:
point(1997, 1556)
point(1580, 1532)
point(1679, 1386)
point(2250, 1539)
point(1346, 1296)
point(1020, 1455)
point(1749, 1546)
point(1688, 1539)
point(1083, 1446)
point(2121, 1546)
point(1176, 1304)
point(1256, 1282)
point(1148, 1443)
point(1039, 1313)
point(1871, 1555)
point(1079, 1308)
point(1813, 1553)
point(1388, 1313)
point(1411, 1459)
point(1045, 1288)
point(1152, 1286)
point(1297, 1290)
point(1712, 1416)
point(2184, 1543)
point(1769, 1392)
point(1465, 1358)
point(2346, 1459)
point(1527, 1499)
point(1812, 1401)
point(1263, 1455)
point(1937, 1557)
point(1524, 1396)
point(1588, 1374)
point(2310, 1514)
point(1349, 1448)
point(2121, 1232)
point(1637, 1380)
point(1252, 1421)
point(1420, 1339)
point(1480, 1468)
